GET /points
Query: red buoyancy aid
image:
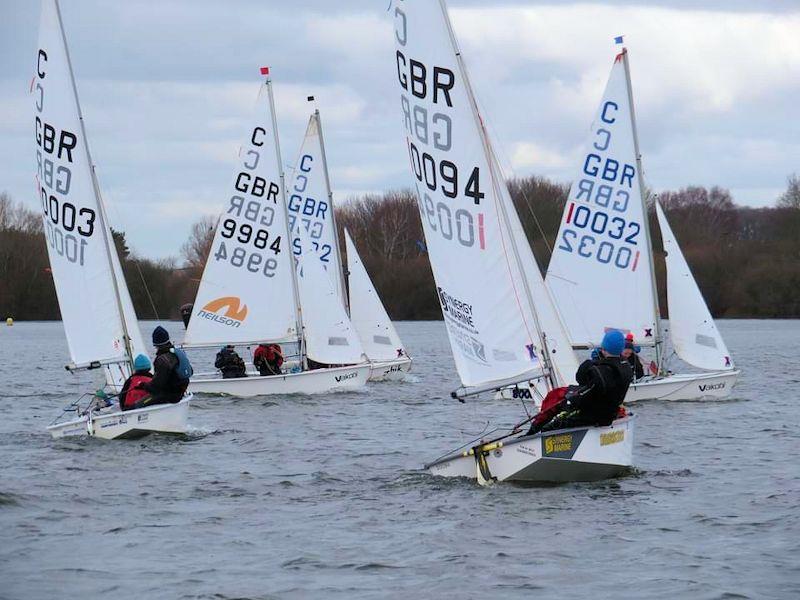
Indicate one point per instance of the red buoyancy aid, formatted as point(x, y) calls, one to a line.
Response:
point(550, 405)
point(132, 395)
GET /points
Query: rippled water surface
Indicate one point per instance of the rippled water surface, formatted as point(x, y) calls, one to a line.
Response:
point(324, 496)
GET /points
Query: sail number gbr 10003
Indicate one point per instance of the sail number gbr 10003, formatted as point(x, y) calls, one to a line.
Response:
point(245, 234)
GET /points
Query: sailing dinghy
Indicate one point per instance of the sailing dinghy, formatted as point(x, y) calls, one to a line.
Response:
point(311, 207)
point(96, 309)
point(497, 310)
point(253, 291)
point(604, 244)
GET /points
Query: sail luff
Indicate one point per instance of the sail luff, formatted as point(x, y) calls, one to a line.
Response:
point(340, 280)
point(295, 288)
point(646, 220)
point(500, 186)
point(96, 188)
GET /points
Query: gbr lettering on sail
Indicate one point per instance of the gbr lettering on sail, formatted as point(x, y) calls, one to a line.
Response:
point(426, 100)
point(68, 225)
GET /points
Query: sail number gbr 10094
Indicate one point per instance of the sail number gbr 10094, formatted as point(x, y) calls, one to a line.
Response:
point(582, 227)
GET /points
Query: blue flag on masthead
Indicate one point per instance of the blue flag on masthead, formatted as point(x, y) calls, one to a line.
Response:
point(618, 39)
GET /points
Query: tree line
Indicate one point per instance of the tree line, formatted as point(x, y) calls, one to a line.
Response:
point(746, 260)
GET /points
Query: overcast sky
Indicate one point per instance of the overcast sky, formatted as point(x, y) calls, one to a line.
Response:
point(167, 87)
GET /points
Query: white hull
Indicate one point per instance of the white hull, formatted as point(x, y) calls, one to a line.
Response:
point(390, 370)
point(317, 381)
point(580, 454)
point(161, 418)
point(685, 386)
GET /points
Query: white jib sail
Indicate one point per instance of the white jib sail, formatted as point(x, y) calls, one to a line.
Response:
point(92, 294)
point(246, 293)
point(694, 334)
point(310, 206)
point(600, 269)
point(373, 325)
point(330, 336)
point(461, 197)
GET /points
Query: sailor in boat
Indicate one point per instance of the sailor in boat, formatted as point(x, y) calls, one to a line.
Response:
point(268, 359)
point(230, 363)
point(602, 385)
point(132, 396)
point(172, 372)
point(631, 355)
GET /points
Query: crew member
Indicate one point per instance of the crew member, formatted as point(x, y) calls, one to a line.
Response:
point(631, 355)
point(268, 359)
point(131, 393)
point(602, 385)
point(230, 363)
point(172, 372)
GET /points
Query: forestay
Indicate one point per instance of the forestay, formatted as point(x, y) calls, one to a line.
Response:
point(462, 199)
point(247, 293)
point(374, 327)
point(600, 271)
point(694, 334)
point(95, 306)
point(330, 336)
point(310, 206)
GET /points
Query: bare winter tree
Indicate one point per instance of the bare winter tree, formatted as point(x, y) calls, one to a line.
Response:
point(195, 250)
point(791, 197)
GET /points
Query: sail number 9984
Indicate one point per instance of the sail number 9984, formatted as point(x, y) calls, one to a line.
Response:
point(238, 257)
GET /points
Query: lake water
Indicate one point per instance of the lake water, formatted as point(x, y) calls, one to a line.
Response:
point(324, 496)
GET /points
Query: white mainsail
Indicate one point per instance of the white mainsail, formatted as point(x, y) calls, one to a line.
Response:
point(310, 206)
point(463, 203)
point(374, 327)
point(601, 269)
point(330, 336)
point(247, 293)
point(694, 334)
point(96, 309)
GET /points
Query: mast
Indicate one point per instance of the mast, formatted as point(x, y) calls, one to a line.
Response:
point(498, 181)
point(110, 247)
point(333, 212)
point(646, 224)
point(295, 290)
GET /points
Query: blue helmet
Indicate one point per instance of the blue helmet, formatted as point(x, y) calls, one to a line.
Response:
point(142, 363)
point(613, 342)
point(160, 336)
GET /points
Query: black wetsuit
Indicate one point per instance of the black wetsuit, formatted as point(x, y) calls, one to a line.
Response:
point(636, 365)
point(230, 363)
point(603, 384)
point(166, 387)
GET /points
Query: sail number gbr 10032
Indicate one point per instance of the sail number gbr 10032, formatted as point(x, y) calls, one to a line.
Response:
point(245, 234)
point(582, 227)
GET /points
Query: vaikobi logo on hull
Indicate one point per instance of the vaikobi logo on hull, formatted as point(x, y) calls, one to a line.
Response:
point(707, 387)
point(346, 376)
point(234, 311)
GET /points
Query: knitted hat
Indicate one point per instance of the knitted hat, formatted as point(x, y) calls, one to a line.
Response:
point(141, 363)
point(160, 336)
point(613, 342)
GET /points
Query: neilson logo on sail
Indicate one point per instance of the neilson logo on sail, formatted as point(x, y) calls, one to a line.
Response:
point(234, 311)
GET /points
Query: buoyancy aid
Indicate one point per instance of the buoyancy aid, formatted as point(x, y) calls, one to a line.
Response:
point(133, 395)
